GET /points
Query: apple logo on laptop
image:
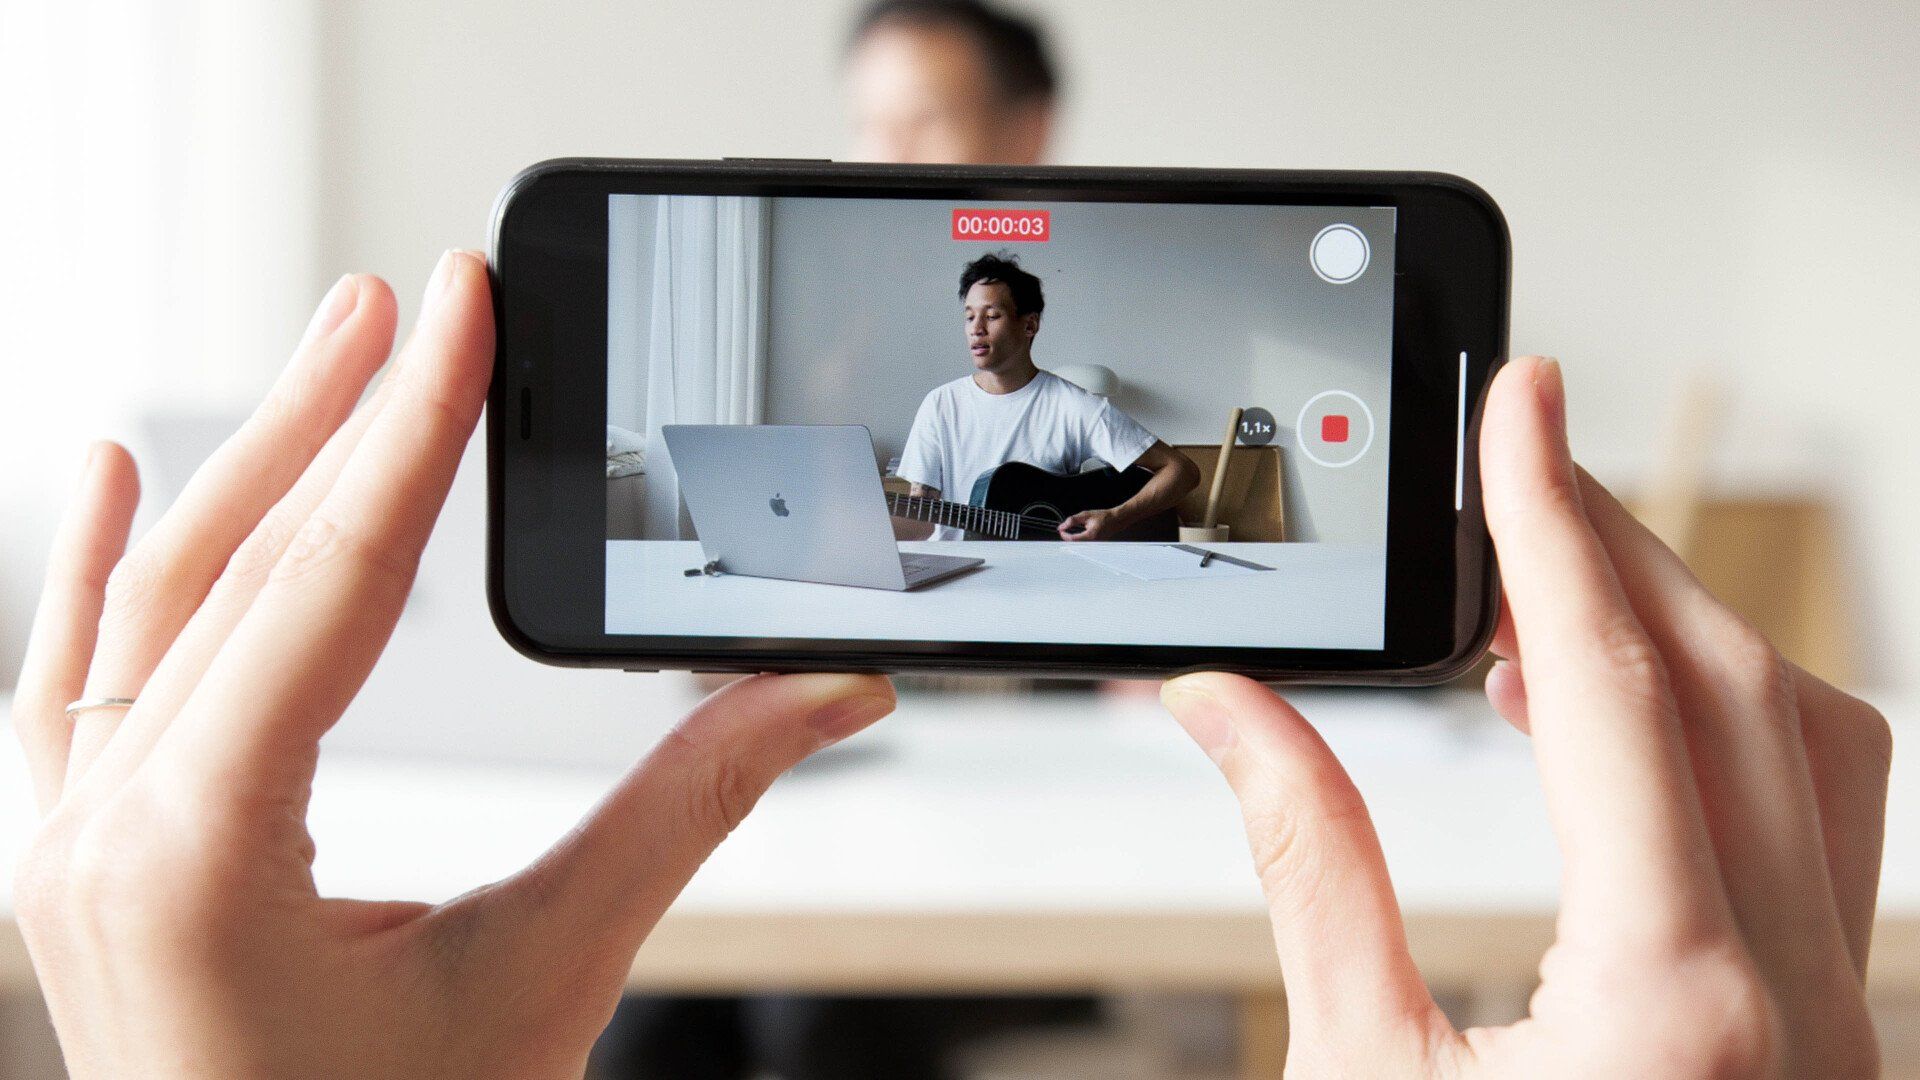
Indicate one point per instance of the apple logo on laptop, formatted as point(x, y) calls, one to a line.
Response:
point(779, 505)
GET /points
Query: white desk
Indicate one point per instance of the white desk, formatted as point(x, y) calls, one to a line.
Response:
point(1317, 596)
point(1059, 803)
point(1059, 842)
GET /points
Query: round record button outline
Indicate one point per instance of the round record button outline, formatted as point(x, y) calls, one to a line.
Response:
point(1300, 429)
point(1366, 253)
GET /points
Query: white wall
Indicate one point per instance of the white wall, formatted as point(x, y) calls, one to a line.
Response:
point(157, 237)
point(631, 227)
point(1730, 186)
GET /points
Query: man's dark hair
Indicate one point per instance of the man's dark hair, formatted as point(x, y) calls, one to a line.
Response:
point(1004, 268)
point(1013, 48)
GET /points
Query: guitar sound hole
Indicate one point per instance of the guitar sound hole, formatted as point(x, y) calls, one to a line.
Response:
point(1039, 514)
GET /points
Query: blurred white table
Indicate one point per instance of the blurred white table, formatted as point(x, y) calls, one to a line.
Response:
point(1056, 842)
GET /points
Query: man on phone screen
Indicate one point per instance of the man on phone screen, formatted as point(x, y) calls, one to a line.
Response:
point(1009, 410)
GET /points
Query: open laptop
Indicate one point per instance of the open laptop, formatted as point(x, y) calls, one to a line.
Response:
point(798, 502)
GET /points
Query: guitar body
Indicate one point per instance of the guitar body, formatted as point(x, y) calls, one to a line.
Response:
point(1043, 499)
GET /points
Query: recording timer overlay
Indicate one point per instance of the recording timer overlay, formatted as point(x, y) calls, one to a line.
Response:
point(1015, 226)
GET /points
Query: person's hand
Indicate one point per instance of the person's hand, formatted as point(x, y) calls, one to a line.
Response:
point(168, 900)
point(1091, 525)
point(1719, 813)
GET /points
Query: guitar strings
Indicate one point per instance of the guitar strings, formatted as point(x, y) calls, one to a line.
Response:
point(1023, 519)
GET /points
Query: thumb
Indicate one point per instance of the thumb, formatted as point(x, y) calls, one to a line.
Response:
point(616, 873)
point(1343, 949)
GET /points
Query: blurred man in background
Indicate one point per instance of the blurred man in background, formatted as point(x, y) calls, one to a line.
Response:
point(949, 82)
point(954, 82)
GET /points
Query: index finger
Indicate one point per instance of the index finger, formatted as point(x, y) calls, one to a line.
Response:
point(1606, 732)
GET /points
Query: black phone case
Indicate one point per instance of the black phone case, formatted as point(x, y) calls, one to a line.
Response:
point(1475, 619)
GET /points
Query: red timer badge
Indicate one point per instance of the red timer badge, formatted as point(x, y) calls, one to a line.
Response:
point(1032, 226)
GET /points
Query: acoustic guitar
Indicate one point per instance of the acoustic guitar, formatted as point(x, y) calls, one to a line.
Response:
point(1018, 501)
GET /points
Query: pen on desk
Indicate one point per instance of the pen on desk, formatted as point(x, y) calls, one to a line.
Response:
point(1205, 559)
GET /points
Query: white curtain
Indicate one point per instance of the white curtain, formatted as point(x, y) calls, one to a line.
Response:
point(707, 350)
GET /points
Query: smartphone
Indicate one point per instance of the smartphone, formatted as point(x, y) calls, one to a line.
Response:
point(775, 415)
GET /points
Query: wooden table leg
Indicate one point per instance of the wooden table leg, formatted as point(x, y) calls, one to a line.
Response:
point(1497, 1002)
point(1263, 1035)
point(28, 1050)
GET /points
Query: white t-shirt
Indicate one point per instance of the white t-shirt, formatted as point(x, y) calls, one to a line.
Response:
point(962, 432)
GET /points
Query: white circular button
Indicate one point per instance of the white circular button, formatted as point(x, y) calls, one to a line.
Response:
point(1340, 253)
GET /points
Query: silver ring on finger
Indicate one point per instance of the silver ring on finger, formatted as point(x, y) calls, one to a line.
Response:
point(85, 703)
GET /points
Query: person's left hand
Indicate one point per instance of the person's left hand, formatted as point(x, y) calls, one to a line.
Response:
point(1720, 815)
point(168, 901)
point(1091, 525)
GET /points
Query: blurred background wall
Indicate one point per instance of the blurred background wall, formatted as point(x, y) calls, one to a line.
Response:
point(1718, 186)
point(159, 211)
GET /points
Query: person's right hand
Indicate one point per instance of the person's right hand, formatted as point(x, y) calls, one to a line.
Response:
point(168, 900)
point(1719, 813)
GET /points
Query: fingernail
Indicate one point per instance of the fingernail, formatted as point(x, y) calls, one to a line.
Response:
point(442, 277)
point(1201, 714)
point(334, 309)
point(844, 717)
point(1552, 388)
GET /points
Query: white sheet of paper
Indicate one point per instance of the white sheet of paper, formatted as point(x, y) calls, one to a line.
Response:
point(1155, 562)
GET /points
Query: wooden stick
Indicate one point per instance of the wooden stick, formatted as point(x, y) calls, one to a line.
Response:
point(1677, 490)
point(1220, 470)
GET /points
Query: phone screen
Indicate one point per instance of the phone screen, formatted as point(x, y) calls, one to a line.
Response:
point(919, 419)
